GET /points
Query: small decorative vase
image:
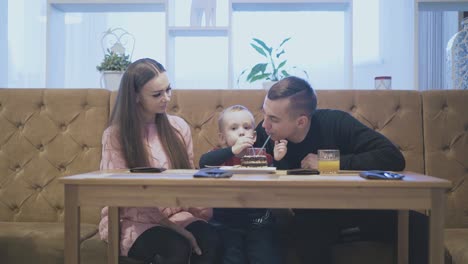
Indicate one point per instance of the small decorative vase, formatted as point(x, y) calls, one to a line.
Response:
point(457, 59)
point(383, 82)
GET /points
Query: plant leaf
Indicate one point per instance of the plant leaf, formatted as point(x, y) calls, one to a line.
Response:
point(284, 41)
point(285, 73)
point(259, 50)
point(279, 54)
point(240, 75)
point(260, 77)
point(282, 64)
point(264, 46)
point(259, 68)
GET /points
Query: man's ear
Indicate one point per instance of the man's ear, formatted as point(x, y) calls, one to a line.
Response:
point(138, 98)
point(302, 121)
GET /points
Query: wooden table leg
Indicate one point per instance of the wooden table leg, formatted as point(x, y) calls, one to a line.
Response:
point(72, 225)
point(436, 227)
point(403, 228)
point(114, 238)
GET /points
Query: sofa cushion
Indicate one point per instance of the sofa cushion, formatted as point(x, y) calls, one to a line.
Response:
point(46, 134)
point(35, 242)
point(456, 241)
point(93, 250)
point(445, 118)
point(395, 114)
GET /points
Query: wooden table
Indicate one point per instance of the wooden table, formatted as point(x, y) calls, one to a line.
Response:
point(174, 188)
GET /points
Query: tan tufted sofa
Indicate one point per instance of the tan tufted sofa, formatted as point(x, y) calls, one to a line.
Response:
point(46, 134)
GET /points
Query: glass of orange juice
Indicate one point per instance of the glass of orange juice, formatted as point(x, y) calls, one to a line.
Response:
point(328, 160)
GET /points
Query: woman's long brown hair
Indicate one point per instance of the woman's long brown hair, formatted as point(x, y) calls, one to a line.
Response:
point(129, 123)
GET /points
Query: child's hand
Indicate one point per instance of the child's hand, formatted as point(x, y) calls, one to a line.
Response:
point(242, 143)
point(280, 149)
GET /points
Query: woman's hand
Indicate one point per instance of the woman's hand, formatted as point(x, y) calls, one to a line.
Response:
point(193, 242)
point(184, 232)
point(280, 149)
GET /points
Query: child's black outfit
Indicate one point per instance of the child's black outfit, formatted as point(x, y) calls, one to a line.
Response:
point(248, 234)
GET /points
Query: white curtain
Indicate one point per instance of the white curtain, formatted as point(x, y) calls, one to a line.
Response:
point(435, 30)
point(26, 41)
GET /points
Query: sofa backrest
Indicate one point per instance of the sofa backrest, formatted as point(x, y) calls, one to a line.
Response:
point(46, 134)
point(445, 118)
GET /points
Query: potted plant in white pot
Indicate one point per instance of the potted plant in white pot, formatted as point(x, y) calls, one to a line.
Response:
point(117, 46)
point(112, 68)
point(271, 70)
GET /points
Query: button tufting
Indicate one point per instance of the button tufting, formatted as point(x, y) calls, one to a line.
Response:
point(197, 128)
point(85, 105)
point(353, 108)
point(445, 148)
point(219, 108)
point(41, 105)
point(19, 125)
point(17, 168)
point(61, 168)
point(15, 208)
point(63, 127)
point(85, 147)
point(397, 108)
point(175, 109)
point(40, 147)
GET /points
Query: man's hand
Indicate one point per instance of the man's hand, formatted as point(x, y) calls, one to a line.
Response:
point(280, 149)
point(310, 161)
point(242, 143)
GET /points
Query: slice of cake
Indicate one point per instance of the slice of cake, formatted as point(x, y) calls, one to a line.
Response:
point(254, 161)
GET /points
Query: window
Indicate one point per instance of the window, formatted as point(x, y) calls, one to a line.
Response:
point(316, 45)
point(200, 59)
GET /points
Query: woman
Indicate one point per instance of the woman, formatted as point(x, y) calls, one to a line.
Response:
point(141, 133)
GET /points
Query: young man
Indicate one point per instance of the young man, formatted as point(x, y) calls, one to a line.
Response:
point(290, 115)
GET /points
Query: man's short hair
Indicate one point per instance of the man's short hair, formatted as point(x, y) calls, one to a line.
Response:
point(233, 108)
point(303, 100)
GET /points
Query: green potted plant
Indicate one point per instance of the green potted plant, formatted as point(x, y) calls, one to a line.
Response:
point(112, 68)
point(273, 68)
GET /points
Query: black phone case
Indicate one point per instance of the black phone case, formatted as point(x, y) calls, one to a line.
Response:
point(146, 169)
point(302, 172)
point(381, 175)
point(212, 173)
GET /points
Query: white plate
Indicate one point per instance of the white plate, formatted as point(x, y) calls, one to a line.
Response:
point(247, 170)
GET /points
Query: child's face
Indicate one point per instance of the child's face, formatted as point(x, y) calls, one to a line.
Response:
point(236, 124)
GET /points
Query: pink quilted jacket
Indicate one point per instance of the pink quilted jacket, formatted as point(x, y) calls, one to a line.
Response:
point(135, 220)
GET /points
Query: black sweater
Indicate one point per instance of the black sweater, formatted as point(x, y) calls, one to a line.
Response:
point(361, 148)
